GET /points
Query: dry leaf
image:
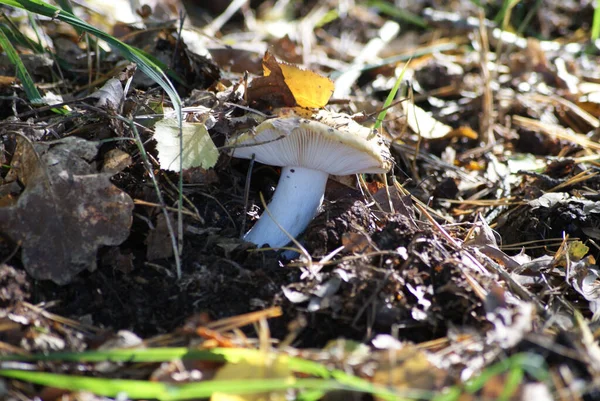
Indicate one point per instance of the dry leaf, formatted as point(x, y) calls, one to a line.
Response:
point(309, 88)
point(357, 242)
point(271, 88)
point(6, 81)
point(111, 96)
point(67, 209)
point(115, 161)
point(422, 123)
point(237, 60)
point(285, 85)
point(198, 148)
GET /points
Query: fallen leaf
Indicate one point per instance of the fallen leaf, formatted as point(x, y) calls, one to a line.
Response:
point(286, 85)
point(6, 81)
point(237, 60)
point(66, 211)
point(577, 250)
point(309, 88)
point(422, 123)
point(198, 148)
point(115, 161)
point(270, 89)
point(110, 96)
point(586, 281)
point(357, 242)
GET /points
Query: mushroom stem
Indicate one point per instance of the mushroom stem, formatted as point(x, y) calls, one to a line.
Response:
point(294, 204)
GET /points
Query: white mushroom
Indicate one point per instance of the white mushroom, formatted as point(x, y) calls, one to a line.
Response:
point(308, 150)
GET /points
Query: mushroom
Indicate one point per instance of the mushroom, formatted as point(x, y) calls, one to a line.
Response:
point(308, 151)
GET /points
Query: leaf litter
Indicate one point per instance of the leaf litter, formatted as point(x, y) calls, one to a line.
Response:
point(67, 210)
point(470, 268)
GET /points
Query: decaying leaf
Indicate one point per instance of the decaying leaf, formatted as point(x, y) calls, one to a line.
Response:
point(285, 85)
point(67, 210)
point(554, 199)
point(577, 250)
point(198, 148)
point(586, 281)
point(111, 95)
point(115, 161)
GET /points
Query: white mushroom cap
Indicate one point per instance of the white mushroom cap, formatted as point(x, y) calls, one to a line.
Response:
point(308, 150)
point(330, 142)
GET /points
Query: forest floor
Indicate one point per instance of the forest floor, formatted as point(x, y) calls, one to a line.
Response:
point(479, 246)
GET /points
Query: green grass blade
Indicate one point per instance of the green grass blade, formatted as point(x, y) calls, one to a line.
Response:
point(512, 382)
point(104, 387)
point(454, 393)
point(342, 380)
point(16, 36)
point(65, 5)
point(139, 389)
point(145, 64)
point(30, 90)
point(516, 365)
point(507, 5)
point(396, 12)
point(149, 355)
point(310, 395)
point(596, 22)
point(530, 363)
point(390, 98)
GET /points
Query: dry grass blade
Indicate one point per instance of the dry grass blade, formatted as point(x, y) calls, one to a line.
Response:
point(556, 131)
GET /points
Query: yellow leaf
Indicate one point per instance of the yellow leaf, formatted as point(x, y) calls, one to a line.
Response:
point(309, 88)
point(268, 366)
point(286, 85)
point(577, 250)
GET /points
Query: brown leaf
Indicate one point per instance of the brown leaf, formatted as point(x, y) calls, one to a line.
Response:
point(270, 89)
point(357, 242)
point(237, 60)
point(115, 161)
point(6, 81)
point(67, 209)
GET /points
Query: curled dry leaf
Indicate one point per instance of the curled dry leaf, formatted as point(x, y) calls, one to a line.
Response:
point(110, 96)
point(67, 210)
